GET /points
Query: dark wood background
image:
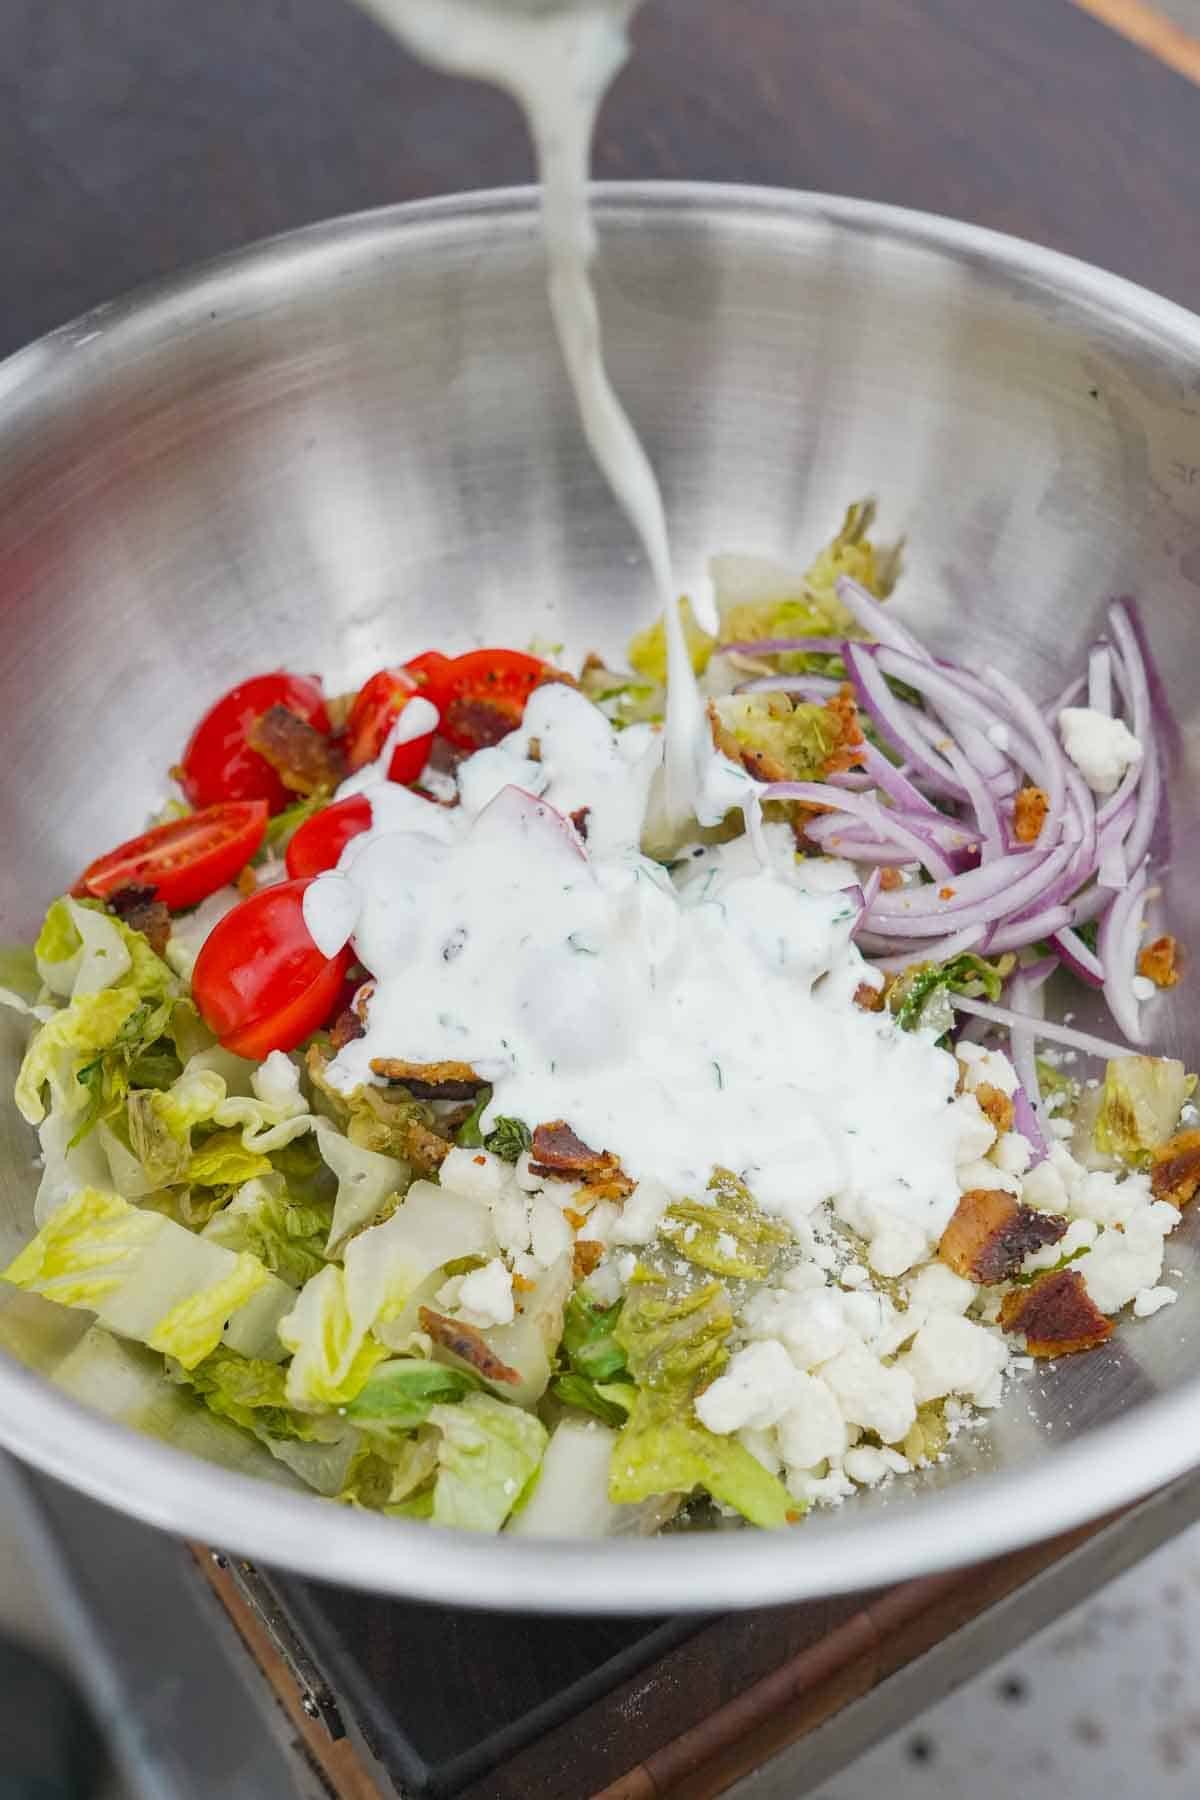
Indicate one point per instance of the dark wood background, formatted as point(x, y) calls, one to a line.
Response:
point(137, 136)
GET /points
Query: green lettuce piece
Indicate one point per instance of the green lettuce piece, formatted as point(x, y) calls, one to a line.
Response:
point(919, 998)
point(250, 1393)
point(283, 826)
point(286, 1235)
point(148, 1278)
point(488, 1455)
point(758, 599)
point(1140, 1104)
point(401, 1393)
point(469, 1135)
point(648, 649)
point(1059, 1091)
point(332, 1354)
point(70, 1042)
point(589, 1343)
point(675, 1336)
point(59, 939)
point(394, 1476)
point(509, 1139)
point(623, 698)
point(375, 1118)
point(222, 1160)
point(800, 737)
point(727, 1235)
point(609, 1401)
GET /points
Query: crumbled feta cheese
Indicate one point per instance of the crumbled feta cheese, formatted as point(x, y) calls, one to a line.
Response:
point(758, 1387)
point(868, 1466)
point(486, 1297)
point(638, 1219)
point(1152, 1300)
point(895, 1249)
point(727, 1244)
point(550, 1235)
point(447, 1295)
point(988, 1067)
point(874, 1319)
point(1123, 1262)
point(510, 1221)
point(1101, 748)
point(819, 1490)
point(476, 1173)
point(812, 1325)
point(975, 1132)
point(761, 1445)
point(954, 1356)
point(1043, 1187)
point(855, 1275)
point(604, 1285)
point(1143, 988)
point(603, 1223)
point(873, 1396)
point(803, 1276)
point(985, 1174)
point(1012, 1153)
point(813, 1429)
point(936, 1288)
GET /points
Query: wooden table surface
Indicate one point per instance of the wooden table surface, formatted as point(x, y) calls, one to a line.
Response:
point(136, 138)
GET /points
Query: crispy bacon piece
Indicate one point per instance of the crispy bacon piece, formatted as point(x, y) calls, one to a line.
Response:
point(586, 1256)
point(1029, 813)
point(142, 911)
point(1175, 1168)
point(1056, 1315)
point(868, 998)
point(303, 757)
point(346, 1027)
point(996, 1105)
point(991, 1234)
point(425, 1149)
point(890, 879)
point(1159, 962)
point(579, 819)
point(847, 749)
point(557, 1152)
point(430, 1081)
point(469, 1345)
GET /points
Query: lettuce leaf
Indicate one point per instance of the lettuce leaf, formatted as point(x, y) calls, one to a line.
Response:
point(251, 1393)
point(402, 1392)
point(332, 1352)
point(1140, 1104)
point(609, 1401)
point(727, 1235)
point(648, 649)
point(389, 1475)
point(391, 1268)
point(366, 1182)
point(488, 1455)
point(221, 1160)
point(588, 1341)
point(66, 1044)
point(287, 1237)
point(760, 599)
point(148, 1278)
point(919, 998)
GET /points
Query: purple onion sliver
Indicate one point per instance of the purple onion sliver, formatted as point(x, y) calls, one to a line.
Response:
point(983, 802)
point(888, 714)
point(1117, 946)
point(1042, 1028)
point(1018, 879)
point(1068, 697)
point(1046, 748)
point(864, 806)
point(1025, 1117)
point(1099, 679)
point(1019, 933)
point(1074, 954)
point(940, 951)
point(809, 687)
point(878, 621)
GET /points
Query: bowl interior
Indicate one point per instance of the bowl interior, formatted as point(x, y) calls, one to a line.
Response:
point(348, 445)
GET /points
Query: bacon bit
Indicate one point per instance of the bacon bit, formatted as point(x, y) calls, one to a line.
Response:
point(868, 998)
point(430, 1081)
point(305, 759)
point(139, 908)
point(847, 749)
point(469, 1345)
point(576, 1219)
point(586, 1256)
point(946, 893)
point(890, 879)
point(346, 1027)
point(1056, 1316)
point(481, 1160)
point(247, 882)
point(792, 1517)
point(1175, 1168)
point(996, 1105)
point(579, 819)
point(1159, 962)
point(1029, 813)
point(991, 1234)
point(522, 1283)
point(557, 1153)
point(426, 1150)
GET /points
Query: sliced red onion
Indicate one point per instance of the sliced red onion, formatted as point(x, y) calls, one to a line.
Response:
point(809, 687)
point(879, 622)
point(983, 801)
point(864, 806)
point(896, 721)
point(1046, 748)
point(1041, 1028)
point(932, 828)
point(806, 646)
point(1027, 1123)
point(895, 783)
point(942, 950)
point(867, 893)
point(949, 695)
point(1029, 930)
point(1089, 905)
point(1015, 880)
point(1099, 679)
point(1149, 787)
point(1074, 954)
point(1117, 945)
point(1025, 991)
point(1068, 697)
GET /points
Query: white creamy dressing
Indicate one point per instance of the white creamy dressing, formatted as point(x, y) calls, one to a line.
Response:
point(681, 1019)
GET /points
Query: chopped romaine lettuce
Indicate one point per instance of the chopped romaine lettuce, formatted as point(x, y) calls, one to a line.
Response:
point(488, 1455)
point(727, 1235)
point(609, 1401)
point(919, 998)
point(333, 1353)
point(795, 741)
point(648, 649)
point(394, 1475)
point(1140, 1105)
point(367, 1182)
point(287, 1237)
point(588, 1341)
point(402, 1391)
point(760, 599)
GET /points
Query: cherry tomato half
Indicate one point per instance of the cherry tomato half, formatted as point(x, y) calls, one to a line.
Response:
point(430, 671)
point(218, 764)
point(319, 842)
point(483, 695)
point(260, 982)
point(185, 860)
point(377, 706)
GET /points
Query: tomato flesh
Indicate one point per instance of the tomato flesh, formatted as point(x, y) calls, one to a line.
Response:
point(319, 842)
point(483, 695)
point(185, 860)
point(377, 706)
point(218, 764)
point(430, 671)
point(260, 982)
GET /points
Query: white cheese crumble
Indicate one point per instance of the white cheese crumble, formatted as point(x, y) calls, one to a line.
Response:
point(485, 1296)
point(757, 1388)
point(1101, 748)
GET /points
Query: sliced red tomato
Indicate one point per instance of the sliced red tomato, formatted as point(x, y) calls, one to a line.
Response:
point(377, 706)
point(218, 764)
point(319, 842)
point(483, 695)
point(260, 982)
point(185, 860)
point(430, 671)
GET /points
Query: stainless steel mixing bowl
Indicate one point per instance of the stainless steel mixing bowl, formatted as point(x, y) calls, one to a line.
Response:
point(355, 442)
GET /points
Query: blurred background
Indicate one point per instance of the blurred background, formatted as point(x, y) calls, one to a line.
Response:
point(137, 139)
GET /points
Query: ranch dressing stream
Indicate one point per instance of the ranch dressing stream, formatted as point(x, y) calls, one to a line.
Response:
point(681, 1016)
